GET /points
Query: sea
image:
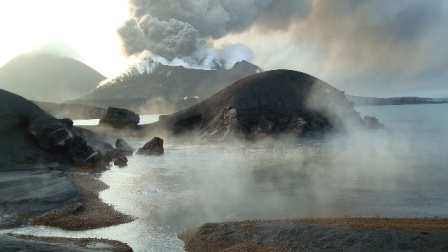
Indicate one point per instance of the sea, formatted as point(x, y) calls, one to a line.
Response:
point(398, 171)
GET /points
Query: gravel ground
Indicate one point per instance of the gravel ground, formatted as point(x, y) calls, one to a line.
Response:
point(344, 234)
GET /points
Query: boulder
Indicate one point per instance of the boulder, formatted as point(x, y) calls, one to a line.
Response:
point(123, 147)
point(121, 161)
point(94, 140)
point(120, 118)
point(153, 147)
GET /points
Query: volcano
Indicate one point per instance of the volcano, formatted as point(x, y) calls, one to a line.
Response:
point(49, 78)
point(152, 87)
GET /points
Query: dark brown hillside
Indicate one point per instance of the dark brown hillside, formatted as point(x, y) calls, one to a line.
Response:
point(269, 103)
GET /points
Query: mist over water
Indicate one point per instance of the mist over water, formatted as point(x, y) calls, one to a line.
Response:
point(400, 171)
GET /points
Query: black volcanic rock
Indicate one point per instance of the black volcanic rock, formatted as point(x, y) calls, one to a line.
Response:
point(123, 147)
point(156, 88)
point(153, 147)
point(29, 136)
point(120, 118)
point(268, 103)
point(45, 77)
point(121, 161)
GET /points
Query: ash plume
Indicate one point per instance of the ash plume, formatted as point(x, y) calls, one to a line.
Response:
point(186, 30)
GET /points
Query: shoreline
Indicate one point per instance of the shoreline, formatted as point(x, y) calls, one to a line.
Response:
point(329, 234)
point(90, 213)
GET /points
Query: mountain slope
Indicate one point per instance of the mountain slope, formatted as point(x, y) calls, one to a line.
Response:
point(155, 88)
point(45, 77)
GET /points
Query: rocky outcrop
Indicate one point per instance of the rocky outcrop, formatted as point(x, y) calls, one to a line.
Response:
point(123, 147)
point(27, 194)
point(120, 118)
point(30, 136)
point(268, 104)
point(153, 147)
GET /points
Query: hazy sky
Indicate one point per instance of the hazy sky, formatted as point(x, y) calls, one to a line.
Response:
point(373, 48)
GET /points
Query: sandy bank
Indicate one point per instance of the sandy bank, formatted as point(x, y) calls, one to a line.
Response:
point(90, 213)
point(85, 211)
point(351, 234)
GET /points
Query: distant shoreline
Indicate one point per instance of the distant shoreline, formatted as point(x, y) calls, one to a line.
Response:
point(359, 101)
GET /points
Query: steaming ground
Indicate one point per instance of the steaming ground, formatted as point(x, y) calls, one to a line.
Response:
point(396, 172)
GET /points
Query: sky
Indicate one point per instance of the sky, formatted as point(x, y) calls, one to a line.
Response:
point(368, 48)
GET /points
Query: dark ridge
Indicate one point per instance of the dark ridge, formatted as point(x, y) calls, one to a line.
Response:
point(163, 89)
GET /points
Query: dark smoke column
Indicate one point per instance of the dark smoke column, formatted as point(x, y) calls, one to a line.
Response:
point(180, 28)
point(169, 39)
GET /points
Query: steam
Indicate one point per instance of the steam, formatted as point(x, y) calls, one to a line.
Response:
point(58, 49)
point(184, 32)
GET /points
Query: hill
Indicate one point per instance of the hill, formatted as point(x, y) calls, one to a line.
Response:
point(155, 88)
point(268, 104)
point(45, 77)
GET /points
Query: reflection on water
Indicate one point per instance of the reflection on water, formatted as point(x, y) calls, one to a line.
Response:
point(399, 171)
point(144, 119)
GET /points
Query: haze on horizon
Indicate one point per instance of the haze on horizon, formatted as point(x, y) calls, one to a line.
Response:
point(369, 48)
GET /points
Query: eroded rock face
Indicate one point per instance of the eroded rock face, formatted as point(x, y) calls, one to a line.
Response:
point(153, 147)
point(120, 118)
point(268, 104)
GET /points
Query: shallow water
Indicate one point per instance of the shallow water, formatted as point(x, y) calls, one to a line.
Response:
point(144, 119)
point(400, 171)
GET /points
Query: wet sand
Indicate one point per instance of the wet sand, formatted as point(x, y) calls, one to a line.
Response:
point(87, 211)
point(90, 213)
point(326, 234)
